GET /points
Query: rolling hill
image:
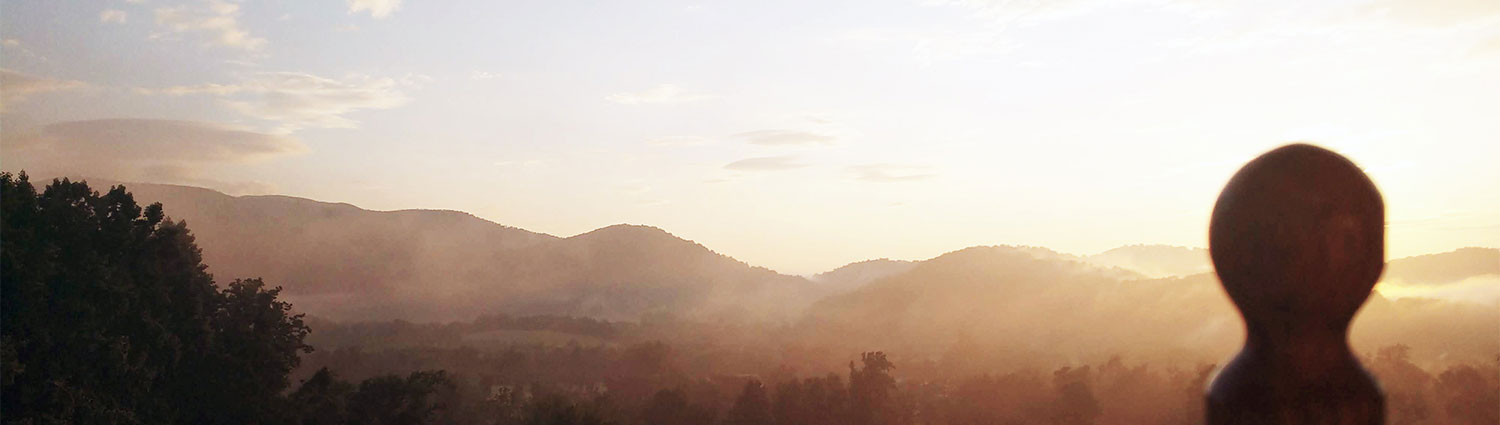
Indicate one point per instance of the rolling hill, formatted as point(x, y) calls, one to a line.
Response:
point(341, 262)
point(1014, 304)
point(346, 263)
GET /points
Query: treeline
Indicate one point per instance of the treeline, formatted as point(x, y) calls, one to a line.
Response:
point(400, 333)
point(645, 388)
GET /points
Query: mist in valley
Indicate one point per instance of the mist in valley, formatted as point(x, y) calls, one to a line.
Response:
point(476, 322)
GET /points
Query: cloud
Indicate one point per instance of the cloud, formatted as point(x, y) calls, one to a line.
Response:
point(784, 138)
point(1436, 13)
point(11, 42)
point(1012, 11)
point(1492, 45)
point(112, 16)
point(148, 139)
point(147, 150)
point(379, 9)
point(679, 141)
point(890, 173)
point(483, 75)
point(928, 46)
point(217, 19)
point(15, 86)
point(300, 100)
point(661, 94)
point(765, 163)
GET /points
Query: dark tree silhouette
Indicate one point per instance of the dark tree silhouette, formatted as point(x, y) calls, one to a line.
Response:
point(671, 407)
point(110, 316)
point(559, 410)
point(320, 400)
point(752, 407)
point(1075, 403)
point(872, 392)
point(393, 400)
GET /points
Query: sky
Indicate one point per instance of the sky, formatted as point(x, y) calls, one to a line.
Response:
point(796, 135)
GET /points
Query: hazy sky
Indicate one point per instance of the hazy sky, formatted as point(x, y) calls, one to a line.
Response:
point(798, 135)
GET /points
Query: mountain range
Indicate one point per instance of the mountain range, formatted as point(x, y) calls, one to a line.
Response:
point(340, 262)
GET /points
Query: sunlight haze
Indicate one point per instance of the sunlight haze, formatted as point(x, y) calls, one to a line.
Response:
point(795, 135)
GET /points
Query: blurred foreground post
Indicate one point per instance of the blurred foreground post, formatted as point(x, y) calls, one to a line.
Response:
point(1298, 240)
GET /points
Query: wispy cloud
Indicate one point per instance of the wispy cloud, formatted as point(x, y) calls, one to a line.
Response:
point(217, 19)
point(113, 16)
point(1436, 13)
point(483, 75)
point(890, 173)
point(16, 86)
point(661, 94)
point(379, 9)
point(766, 163)
point(300, 100)
point(140, 139)
point(165, 151)
point(784, 137)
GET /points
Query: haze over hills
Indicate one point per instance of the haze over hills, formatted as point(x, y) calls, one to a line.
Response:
point(345, 263)
point(1009, 303)
point(1444, 268)
point(1155, 260)
point(340, 262)
point(855, 275)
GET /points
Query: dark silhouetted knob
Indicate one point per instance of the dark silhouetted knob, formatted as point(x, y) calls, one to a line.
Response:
point(1298, 241)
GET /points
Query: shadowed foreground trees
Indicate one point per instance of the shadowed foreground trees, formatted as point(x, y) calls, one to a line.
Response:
point(110, 317)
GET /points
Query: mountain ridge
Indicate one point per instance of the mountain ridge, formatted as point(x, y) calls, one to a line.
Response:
point(345, 262)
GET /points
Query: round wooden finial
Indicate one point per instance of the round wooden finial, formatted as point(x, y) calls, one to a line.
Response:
point(1298, 241)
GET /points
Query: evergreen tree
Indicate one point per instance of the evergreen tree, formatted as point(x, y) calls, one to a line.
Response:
point(872, 392)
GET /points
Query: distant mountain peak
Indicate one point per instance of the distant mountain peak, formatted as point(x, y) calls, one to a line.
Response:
point(627, 228)
point(1155, 260)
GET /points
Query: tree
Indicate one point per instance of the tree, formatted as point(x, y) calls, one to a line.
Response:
point(1470, 396)
point(320, 400)
point(671, 407)
point(1075, 403)
point(559, 410)
point(827, 400)
point(256, 344)
point(752, 407)
point(790, 404)
point(871, 392)
point(1405, 385)
point(108, 315)
point(392, 400)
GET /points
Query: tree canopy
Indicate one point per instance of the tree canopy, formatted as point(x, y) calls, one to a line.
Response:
point(110, 316)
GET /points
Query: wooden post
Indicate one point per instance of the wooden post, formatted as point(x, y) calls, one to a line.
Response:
point(1298, 241)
